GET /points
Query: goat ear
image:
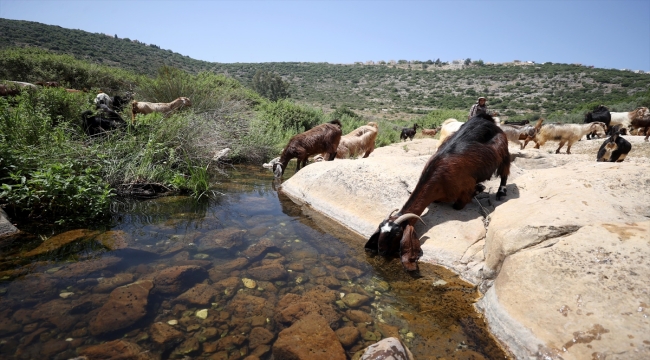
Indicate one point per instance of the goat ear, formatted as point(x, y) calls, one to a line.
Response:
point(410, 250)
point(373, 243)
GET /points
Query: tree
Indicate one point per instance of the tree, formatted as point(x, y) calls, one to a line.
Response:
point(438, 62)
point(270, 85)
point(468, 61)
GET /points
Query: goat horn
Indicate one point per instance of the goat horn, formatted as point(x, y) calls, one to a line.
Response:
point(391, 213)
point(406, 217)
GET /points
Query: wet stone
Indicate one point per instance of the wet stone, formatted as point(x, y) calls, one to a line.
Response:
point(294, 266)
point(329, 281)
point(125, 306)
point(108, 284)
point(164, 334)
point(347, 335)
point(229, 266)
point(114, 240)
point(58, 241)
point(200, 294)
point(53, 346)
point(230, 342)
point(85, 268)
point(259, 336)
point(176, 279)
point(221, 239)
point(190, 346)
point(259, 248)
point(358, 316)
point(308, 338)
point(348, 273)
point(116, 349)
point(247, 306)
point(268, 272)
point(355, 300)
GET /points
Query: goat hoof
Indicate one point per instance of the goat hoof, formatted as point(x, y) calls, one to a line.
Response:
point(479, 189)
point(501, 193)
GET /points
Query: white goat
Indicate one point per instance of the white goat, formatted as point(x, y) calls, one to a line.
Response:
point(516, 133)
point(567, 133)
point(141, 107)
point(103, 98)
point(449, 127)
point(359, 141)
point(625, 118)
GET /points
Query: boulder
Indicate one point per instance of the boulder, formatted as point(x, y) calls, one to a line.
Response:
point(308, 338)
point(390, 348)
point(6, 227)
point(566, 238)
point(125, 306)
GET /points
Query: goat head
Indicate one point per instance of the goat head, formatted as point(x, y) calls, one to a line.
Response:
point(394, 235)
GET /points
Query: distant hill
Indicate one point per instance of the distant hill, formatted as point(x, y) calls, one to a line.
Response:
point(388, 89)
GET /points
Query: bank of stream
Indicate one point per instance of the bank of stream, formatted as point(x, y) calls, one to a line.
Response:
point(221, 278)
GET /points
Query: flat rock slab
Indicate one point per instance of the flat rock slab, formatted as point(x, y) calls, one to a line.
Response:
point(125, 306)
point(58, 241)
point(561, 260)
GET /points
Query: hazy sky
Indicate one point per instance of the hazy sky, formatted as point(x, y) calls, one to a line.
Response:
point(607, 34)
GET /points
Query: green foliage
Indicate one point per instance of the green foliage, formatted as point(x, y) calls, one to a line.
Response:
point(287, 115)
point(270, 85)
point(33, 65)
point(436, 117)
point(63, 192)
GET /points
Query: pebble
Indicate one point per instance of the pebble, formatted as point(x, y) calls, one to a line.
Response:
point(202, 314)
point(69, 339)
point(249, 283)
point(439, 283)
point(172, 322)
point(201, 256)
point(66, 295)
point(53, 270)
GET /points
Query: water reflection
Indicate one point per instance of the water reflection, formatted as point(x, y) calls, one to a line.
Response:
point(222, 277)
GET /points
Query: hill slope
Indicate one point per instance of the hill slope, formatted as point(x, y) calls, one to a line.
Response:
point(387, 88)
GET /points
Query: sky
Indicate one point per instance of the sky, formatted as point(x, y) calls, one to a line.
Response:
point(606, 34)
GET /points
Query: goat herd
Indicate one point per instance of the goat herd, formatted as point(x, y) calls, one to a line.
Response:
point(468, 153)
point(107, 117)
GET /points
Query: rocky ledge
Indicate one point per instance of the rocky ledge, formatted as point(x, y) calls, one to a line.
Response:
point(563, 262)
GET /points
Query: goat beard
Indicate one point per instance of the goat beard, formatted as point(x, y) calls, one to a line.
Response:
point(410, 250)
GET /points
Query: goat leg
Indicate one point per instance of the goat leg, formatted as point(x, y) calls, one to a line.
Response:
point(479, 188)
point(560, 147)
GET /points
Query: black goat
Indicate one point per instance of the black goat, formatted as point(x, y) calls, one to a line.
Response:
point(599, 114)
point(408, 132)
point(614, 149)
point(120, 102)
point(97, 124)
point(513, 122)
point(453, 174)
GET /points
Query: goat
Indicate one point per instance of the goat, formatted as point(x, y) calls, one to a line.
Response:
point(614, 149)
point(430, 132)
point(599, 114)
point(449, 127)
point(103, 98)
point(517, 133)
point(119, 102)
point(625, 118)
point(270, 164)
point(567, 134)
point(141, 107)
point(97, 124)
point(513, 122)
point(641, 125)
point(360, 141)
point(408, 132)
point(453, 174)
point(323, 138)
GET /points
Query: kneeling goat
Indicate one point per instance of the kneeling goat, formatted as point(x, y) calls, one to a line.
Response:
point(614, 149)
point(453, 174)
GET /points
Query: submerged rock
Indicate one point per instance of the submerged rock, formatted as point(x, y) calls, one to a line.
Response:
point(175, 279)
point(125, 306)
point(58, 241)
point(117, 349)
point(390, 348)
point(310, 338)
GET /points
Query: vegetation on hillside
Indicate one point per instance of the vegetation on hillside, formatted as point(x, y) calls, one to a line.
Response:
point(383, 89)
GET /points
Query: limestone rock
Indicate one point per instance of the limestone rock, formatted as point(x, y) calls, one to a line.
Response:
point(126, 305)
point(587, 294)
point(309, 338)
point(6, 227)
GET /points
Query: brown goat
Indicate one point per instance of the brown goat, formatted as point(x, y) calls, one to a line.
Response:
point(323, 138)
point(360, 141)
point(430, 132)
point(453, 174)
point(641, 125)
point(517, 133)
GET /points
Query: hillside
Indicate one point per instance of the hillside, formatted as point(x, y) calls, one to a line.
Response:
point(388, 89)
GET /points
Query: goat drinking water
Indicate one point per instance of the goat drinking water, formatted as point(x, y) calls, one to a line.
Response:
point(453, 174)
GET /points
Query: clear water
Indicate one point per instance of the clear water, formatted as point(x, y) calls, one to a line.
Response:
point(431, 312)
